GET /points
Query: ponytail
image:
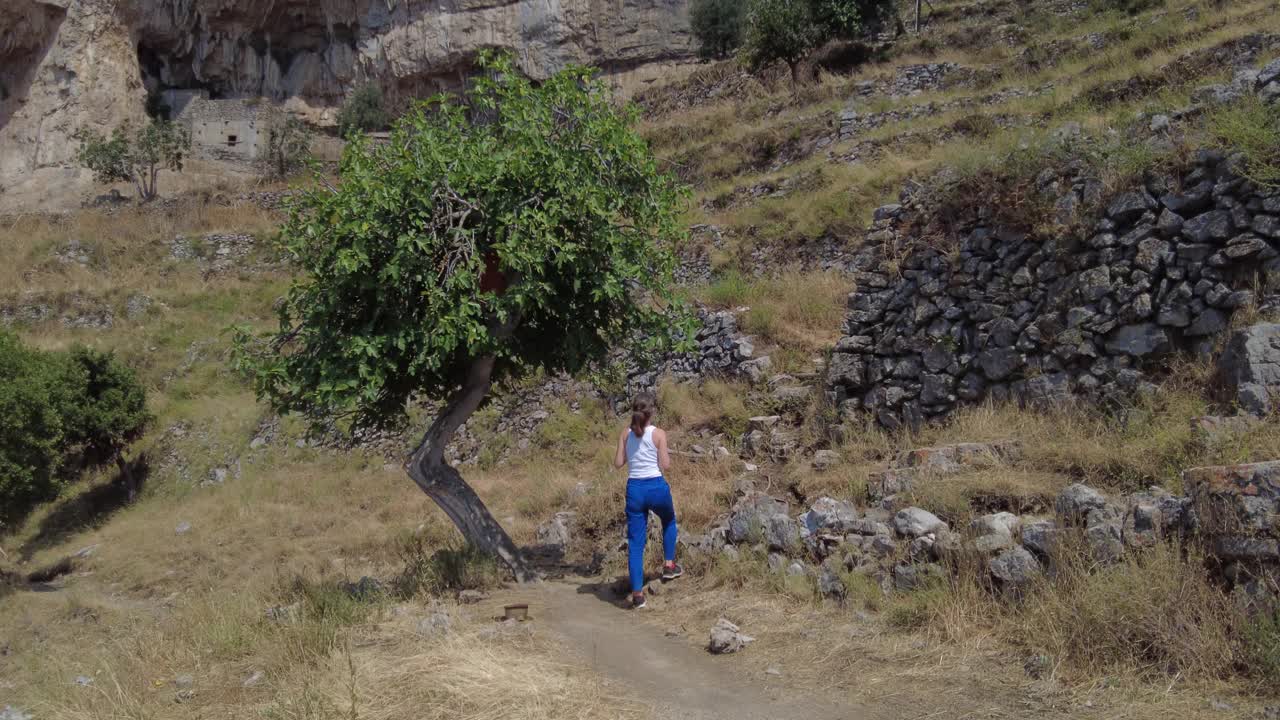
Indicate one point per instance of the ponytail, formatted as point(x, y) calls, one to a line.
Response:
point(641, 412)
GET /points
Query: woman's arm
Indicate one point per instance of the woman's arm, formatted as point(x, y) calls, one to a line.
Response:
point(620, 457)
point(660, 442)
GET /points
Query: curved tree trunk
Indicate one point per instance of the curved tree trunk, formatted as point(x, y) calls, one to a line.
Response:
point(443, 484)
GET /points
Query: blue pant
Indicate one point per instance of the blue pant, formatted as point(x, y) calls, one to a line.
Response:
point(642, 496)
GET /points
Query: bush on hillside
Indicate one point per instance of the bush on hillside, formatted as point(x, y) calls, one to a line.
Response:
point(718, 26)
point(31, 426)
point(1252, 128)
point(54, 405)
point(364, 111)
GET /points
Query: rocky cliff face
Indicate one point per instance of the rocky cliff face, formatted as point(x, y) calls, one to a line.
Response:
point(67, 64)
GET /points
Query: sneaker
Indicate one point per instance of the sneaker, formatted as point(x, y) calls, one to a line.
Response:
point(637, 602)
point(671, 572)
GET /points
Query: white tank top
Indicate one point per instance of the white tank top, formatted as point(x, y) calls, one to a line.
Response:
point(642, 456)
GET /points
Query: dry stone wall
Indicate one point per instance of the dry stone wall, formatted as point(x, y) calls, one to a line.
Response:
point(991, 311)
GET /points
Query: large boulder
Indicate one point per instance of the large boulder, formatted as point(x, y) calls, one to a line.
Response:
point(1015, 568)
point(1040, 537)
point(1001, 523)
point(1077, 500)
point(759, 518)
point(1139, 340)
point(830, 515)
point(1238, 509)
point(914, 522)
point(1250, 367)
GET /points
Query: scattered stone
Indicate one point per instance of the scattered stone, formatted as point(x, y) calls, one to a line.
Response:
point(10, 712)
point(558, 531)
point(254, 679)
point(437, 623)
point(182, 528)
point(772, 671)
point(727, 638)
point(824, 460)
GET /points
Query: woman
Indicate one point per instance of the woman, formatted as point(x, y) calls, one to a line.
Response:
point(643, 449)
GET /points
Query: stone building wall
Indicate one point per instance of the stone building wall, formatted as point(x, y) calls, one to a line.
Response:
point(227, 130)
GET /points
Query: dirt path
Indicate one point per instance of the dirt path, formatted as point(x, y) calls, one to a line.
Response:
point(679, 680)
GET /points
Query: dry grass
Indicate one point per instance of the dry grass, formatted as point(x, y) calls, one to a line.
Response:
point(472, 672)
point(795, 309)
point(1156, 614)
point(127, 248)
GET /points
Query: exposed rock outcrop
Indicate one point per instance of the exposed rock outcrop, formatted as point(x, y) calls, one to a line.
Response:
point(91, 63)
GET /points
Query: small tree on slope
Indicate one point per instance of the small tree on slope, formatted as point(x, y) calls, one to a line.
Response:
point(136, 157)
point(527, 229)
point(790, 30)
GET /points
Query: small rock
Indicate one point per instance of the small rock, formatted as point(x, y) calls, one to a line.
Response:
point(83, 680)
point(183, 528)
point(254, 680)
point(727, 638)
point(436, 623)
point(284, 613)
point(9, 712)
point(773, 670)
point(184, 682)
point(471, 597)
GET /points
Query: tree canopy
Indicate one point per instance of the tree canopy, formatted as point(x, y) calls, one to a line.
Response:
point(135, 156)
point(718, 26)
point(57, 404)
point(789, 30)
point(546, 186)
point(364, 111)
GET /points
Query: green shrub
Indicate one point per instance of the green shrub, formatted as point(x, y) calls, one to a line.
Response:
point(32, 427)
point(53, 405)
point(363, 112)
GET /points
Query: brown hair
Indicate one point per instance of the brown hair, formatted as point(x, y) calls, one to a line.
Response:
point(641, 412)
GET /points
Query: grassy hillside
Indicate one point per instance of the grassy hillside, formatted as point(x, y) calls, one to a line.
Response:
point(165, 612)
